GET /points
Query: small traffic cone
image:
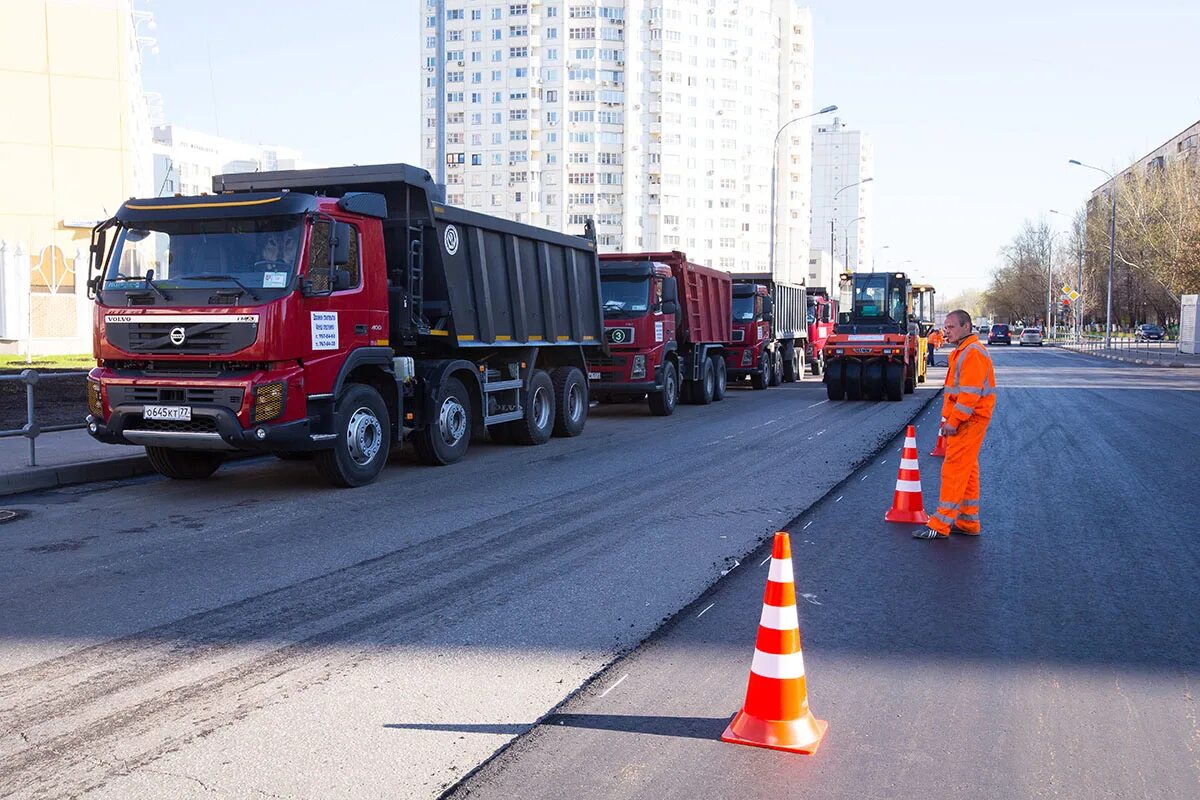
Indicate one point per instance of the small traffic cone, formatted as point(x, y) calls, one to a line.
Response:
point(939, 447)
point(775, 714)
point(907, 505)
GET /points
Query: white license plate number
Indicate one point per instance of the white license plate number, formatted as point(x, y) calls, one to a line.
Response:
point(593, 376)
point(172, 413)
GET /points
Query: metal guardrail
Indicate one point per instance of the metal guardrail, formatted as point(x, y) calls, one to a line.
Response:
point(1166, 349)
point(31, 430)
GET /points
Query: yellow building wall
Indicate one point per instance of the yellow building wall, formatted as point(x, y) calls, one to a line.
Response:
point(70, 88)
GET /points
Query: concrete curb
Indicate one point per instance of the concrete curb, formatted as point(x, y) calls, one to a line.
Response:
point(109, 469)
point(1145, 362)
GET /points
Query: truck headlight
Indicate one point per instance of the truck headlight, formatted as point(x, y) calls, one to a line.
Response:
point(747, 357)
point(95, 404)
point(639, 367)
point(268, 401)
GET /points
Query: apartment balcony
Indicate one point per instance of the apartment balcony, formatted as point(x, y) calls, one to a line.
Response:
point(535, 145)
point(655, 129)
point(656, 86)
point(654, 146)
point(655, 107)
point(656, 45)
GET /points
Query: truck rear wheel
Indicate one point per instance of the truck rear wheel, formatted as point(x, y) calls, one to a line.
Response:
point(853, 379)
point(894, 381)
point(183, 465)
point(721, 383)
point(364, 438)
point(872, 379)
point(835, 387)
point(538, 423)
point(570, 401)
point(662, 404)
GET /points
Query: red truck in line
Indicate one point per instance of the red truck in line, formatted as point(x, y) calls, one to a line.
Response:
point(770, 334)
point(822, 315)
point(332, 314)
point(667, 323)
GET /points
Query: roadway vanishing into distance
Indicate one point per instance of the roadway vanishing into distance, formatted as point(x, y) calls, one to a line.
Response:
point(1058, 655)
point(262, 634)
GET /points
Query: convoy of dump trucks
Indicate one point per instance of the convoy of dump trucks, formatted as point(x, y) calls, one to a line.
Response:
point(334, 314)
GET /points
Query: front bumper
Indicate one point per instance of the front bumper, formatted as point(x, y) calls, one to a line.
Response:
point(211, 428)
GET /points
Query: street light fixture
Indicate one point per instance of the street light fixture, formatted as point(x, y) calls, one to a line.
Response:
point(1112, 247)
point(832, 217)
point(875, 257)
point(775, 170)
point(846, 241)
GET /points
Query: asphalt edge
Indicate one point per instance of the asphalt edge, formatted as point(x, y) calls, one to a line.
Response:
point(675, 619)
point(109, 469)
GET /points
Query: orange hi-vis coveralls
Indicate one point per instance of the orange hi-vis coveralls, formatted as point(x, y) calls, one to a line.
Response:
point(967, 407)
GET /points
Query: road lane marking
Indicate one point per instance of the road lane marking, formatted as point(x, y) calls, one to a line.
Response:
point(839, 499)
point(701, 614)
point(814, 405)
point(810, 522)
point(736, 564)
point(615, 685)
point(864, 477)
point(812, 598)
point(765, 560)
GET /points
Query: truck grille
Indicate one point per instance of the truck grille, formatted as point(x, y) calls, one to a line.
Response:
point(739, 336)
point(223, 396)
point(198, 338)
point(607, 361)
point(198, 425)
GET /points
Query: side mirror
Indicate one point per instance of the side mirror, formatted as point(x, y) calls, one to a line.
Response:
point(768, 306)
point(768, 316)
point(670, 307)
point(95, 260)
point(670, 292)
point(339, 244)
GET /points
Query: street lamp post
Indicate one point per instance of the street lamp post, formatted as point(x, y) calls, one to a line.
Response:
point(832, 217)
point(775, 170)
point(1112, 247)
point(846, 239)
point(1078, 306)
point(1050, 280)
point(875, 257)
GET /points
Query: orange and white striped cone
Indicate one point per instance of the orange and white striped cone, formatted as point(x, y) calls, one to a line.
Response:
point(776, 713)
point(907, 505)
point(939, 447)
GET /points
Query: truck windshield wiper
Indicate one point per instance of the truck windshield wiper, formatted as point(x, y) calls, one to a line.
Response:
point(215, 276)
point(149, 279)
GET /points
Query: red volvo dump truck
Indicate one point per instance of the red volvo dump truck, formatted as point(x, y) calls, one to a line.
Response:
point(822, 314)
point(770, 333)
point(333, 314)
point(667, 322)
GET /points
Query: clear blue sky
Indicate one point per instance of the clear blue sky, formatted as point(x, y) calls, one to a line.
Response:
point(974, 108)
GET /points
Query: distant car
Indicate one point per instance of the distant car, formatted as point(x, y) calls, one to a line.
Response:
point(998, 334)
point(1149, 332)
point(1031, 336)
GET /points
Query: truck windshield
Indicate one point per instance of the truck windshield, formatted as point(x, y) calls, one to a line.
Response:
point(625, 297)
point(743, 308)
point(259, 253)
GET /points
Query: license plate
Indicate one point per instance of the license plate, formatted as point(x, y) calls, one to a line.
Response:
point(593, 376)
point(173, 413)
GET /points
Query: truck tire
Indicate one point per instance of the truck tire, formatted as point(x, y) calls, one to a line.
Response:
point(722, 381)
point(852, 379)
point(776, 376)
point(910, 384)
point(662, 404)
point(894, 381)
point(835, 387)
point(570, 401)
point(184, 465)
point(817, 364)
point(364, 438)
point(538, 422)
point(872, 379)
point(704, 389)
point(789, 368)
point(762, 378)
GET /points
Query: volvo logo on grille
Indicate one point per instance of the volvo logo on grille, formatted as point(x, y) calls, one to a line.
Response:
point(178, 335)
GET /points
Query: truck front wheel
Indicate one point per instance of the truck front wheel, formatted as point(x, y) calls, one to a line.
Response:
point(363, 441)
point(183, 465)
point(570, 400)
point(762, 378)
point(816, 364)
point(662, 404)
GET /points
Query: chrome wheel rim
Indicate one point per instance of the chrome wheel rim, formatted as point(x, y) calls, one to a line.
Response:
point(541, 408)
point(452, 421)
point(364, 436)
point(574, 402)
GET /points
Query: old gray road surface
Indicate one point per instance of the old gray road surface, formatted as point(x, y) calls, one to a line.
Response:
point(261, 634)
point(1055, 656)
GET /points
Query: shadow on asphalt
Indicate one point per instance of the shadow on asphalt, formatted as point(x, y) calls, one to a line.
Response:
point(707, 728)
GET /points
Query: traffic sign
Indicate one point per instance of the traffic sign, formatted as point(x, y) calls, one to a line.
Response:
point(1069, 292)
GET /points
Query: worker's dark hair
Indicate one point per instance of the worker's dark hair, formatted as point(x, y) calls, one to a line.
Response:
point(962, 316)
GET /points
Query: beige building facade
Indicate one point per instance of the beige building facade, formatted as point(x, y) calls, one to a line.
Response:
point(74, 143)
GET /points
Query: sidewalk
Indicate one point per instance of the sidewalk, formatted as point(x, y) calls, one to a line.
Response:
point(1145, 357)
point(65, 458)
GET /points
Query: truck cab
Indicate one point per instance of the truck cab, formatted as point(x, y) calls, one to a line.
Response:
point(752, 353)
point(822, 312)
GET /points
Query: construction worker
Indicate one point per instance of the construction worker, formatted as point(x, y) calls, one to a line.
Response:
point(935, 341)
point(966, 409)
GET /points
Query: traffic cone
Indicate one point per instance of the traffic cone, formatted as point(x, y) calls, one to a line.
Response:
point(776, 714)
point(907, 505)
point(939, 447)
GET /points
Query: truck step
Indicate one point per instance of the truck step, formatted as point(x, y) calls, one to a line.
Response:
point(500, 386)
point(507, 416)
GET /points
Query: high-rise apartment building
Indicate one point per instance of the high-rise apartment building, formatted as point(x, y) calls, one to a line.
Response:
point(655, 118)
point(185, 160)
point(842, 159)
